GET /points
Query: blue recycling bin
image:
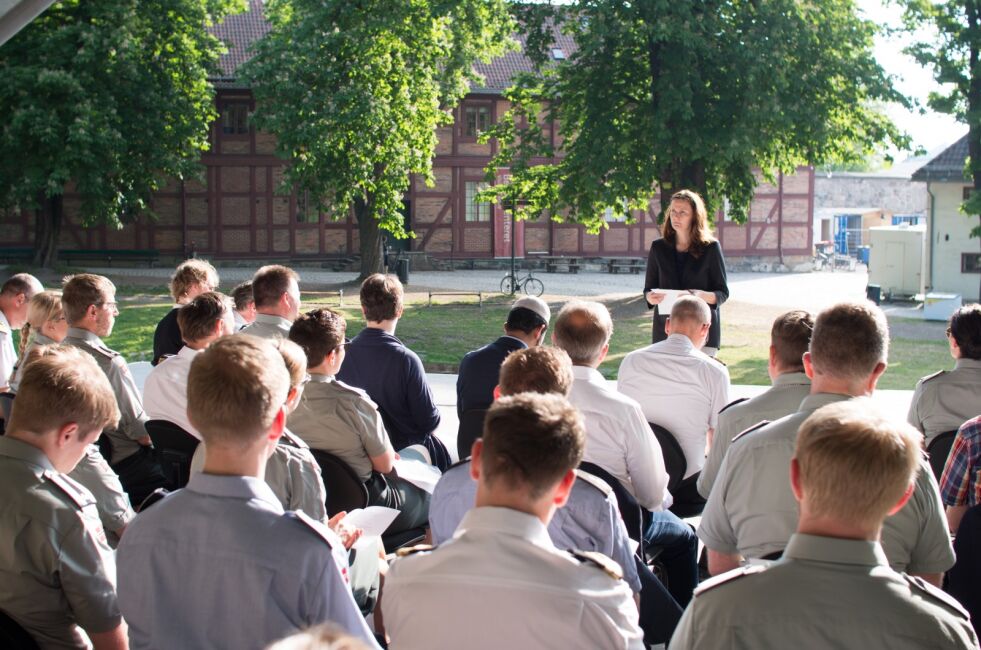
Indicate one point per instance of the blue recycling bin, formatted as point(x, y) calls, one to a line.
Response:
point(863, 255)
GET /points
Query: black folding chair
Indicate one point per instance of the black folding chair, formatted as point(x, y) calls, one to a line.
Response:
point(471, 428)
point(6, 406)
point(345, 491)
point(174, 448)
point(631, 511)
point(12, 635)
point(687, 501)
point(938, 450)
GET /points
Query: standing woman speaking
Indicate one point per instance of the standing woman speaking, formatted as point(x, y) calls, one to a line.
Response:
point(690, 259)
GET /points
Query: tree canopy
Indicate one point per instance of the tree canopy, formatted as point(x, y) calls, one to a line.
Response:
point(111, 96)
point(354, 92)
point(697, 95)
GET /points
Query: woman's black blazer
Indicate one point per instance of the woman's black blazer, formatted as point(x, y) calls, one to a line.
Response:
point(706, 273)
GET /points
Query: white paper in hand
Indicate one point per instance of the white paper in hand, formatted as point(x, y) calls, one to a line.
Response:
point(670, 296)
point(420, 474)
point(373, 520)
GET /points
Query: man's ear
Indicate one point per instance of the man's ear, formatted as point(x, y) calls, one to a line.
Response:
point(902, 500)
point(808, 365)
point(399, 311)
point(667, 326)
point(66, 433)
point(564, 488)
point(278, 425)
point(476, 451)
point(795, 479)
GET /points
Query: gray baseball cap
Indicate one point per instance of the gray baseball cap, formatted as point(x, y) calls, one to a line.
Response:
point(536, 305)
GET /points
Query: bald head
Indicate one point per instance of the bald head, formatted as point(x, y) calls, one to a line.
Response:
point(583, 330)
point(691, 317)
point(15, 295)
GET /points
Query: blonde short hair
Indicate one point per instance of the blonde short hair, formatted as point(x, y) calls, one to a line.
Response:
point(189, 273)
point(62, 384)
point(44, 306)
point(235, 389)
point(81, 292)
point(582, 329)
point(855, 461)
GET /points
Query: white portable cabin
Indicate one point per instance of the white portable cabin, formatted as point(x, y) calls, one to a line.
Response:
point(896, 259)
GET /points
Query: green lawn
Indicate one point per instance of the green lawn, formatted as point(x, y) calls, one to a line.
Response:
point(443, 333)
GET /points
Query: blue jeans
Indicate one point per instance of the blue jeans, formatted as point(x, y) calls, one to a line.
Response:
point(679, 555)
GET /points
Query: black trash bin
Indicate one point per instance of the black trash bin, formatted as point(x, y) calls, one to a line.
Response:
point(874, 293)
point(402, 270)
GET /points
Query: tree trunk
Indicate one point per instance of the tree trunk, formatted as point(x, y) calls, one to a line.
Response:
point(370, 238)
point(47, 231)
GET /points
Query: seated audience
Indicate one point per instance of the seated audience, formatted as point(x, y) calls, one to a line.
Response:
point(202, 320)
point(46, 325)
point(57, 574)
point(680, 388)
point(212, 555)
point(525, 328)
point(15, 297)
point(619, 440)
point(789, 338)
point(391, 373)
point(945, 400)
point(90, 307)
point(960, 485)
point(752, 513)
point(590, 519)
point(341, 420)
point(501, 582)
point(192, 278)
point(245, 312)
point(852, 468)
point(276, 295)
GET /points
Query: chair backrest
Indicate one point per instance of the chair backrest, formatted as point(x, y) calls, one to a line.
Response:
point(175, 449)
point(12, 635)
point(471, 428)
point(6, 406)
point(674, 457)
point(345, 491)
point(938, 450)
point(630, 510)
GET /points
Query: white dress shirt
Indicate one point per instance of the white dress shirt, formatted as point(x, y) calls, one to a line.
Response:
point(165, 390)
point(501, 583)
point(8, 355)
point(618, 438)
point(678, 388)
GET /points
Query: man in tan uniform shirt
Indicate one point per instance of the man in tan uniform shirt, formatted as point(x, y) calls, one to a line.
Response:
point(852, 468)
point(57, 573)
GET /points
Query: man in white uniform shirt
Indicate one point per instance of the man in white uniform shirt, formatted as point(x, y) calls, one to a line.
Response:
point(500, 582)
point(619, 440)
point(15, 296)
point(679, 387)
point(201, 321)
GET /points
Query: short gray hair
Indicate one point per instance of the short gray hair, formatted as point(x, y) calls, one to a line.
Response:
point(691, 309)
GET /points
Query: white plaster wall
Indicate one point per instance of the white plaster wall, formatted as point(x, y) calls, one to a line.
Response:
point(950, 238)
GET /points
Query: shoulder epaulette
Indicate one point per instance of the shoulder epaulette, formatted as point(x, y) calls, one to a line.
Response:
point(79, 496)
point(733, 403)
point(719, 361)
point(595, 481)
point(729, 576)
point(921, 585)
point(600, 561)
point(406, 551)
point(164, 357)
point(933, 376)
point(758, 425)
point(293, 440)
point(319, 528)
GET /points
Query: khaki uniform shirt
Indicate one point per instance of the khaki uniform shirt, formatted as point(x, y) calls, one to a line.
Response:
point(946, 400)
point(37, 340)
point(293, 474)
point(266, 326)
point(95, 475)
point(752, 510)
point(783, 398)
point(825, 593)
point(132, 417)
point(341, 420)
point(57, 573)
point(501, 583)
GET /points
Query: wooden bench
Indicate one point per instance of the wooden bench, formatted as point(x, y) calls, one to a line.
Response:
point(320, 297)
point(570, 264)
point(479, 294)
point(633, 264)
point(17, 253)
point(150, 256)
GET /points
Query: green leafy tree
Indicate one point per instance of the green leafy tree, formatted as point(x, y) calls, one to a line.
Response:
point(666, 94)
point(110, 98)
point(354, 92)
point(953, 51)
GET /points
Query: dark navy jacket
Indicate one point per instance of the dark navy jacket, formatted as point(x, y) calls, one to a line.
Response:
point(167, 337)
point(479, 371)
point(394, 379)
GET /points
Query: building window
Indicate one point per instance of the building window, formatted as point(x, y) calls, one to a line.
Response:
point(476, 119)
point(610, 217)
point(476, 211)
point(235, 119)
point(970, 262)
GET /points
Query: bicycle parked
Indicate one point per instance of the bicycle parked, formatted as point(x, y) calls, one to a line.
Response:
point(531, 285)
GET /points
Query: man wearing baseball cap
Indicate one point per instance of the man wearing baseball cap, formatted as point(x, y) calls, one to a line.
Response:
point(525, 328)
